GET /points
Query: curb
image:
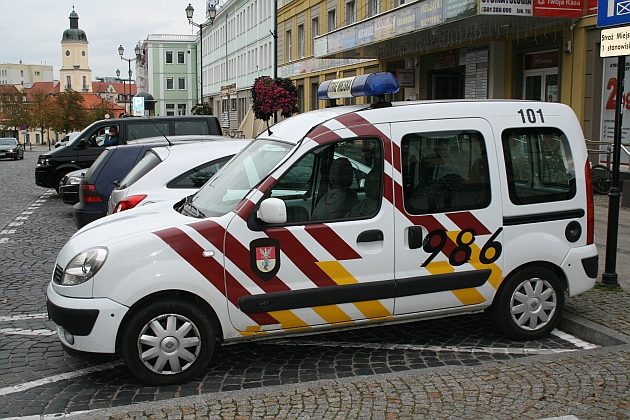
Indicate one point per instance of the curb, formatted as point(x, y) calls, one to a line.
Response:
point(591, 331)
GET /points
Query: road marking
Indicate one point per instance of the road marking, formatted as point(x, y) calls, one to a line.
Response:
point(574, 340)
point(11, 318)
point(27, 212)
point(57, 378)
point(22, 331)
point(7, 232)
point(13, 224)
point(49, 416)
point(21, 218)
point(4, 240)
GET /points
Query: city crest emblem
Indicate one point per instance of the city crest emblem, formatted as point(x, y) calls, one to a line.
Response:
point(265, 257)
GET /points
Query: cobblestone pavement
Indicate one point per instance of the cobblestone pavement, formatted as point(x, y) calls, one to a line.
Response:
point(442, 368)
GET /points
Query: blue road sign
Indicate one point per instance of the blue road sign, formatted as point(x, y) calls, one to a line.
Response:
point(613, 12)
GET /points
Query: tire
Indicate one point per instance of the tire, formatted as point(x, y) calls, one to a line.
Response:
point(601, 179)
point(159, 358)
point(529, 305)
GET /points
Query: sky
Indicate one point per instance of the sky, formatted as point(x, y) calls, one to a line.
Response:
point(30, 30)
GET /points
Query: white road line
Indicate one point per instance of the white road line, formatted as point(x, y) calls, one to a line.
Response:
point(10, 318)
point(12, 224)
point(21, 218)
point(7, 232)
point(57, 378)
point(4, 240)
point(458, 349)
point(49, 416)
point(574, 340)
point(22, 331)
point(27, 212)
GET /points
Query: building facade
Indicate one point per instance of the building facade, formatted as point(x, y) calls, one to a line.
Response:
point(238, 47)
point(75, 71)
point(24, 74)
point(167, 69)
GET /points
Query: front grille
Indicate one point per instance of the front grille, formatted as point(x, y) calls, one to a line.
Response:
point(57, 274)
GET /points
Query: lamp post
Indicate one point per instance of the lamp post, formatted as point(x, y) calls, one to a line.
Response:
point(123, 80)
point(121, 51)
point(211, 13)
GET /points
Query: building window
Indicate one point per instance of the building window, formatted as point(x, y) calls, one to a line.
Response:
point(181, 83)
point(233, 104)
point(332, 20)
point(314, 33)
point(22, 73)
point(287, 42)
point(169, 57)
point(36, 73)
point(181, 57)
point(181, 109)
point(170, 109)
point(85, 86)
point(169, 83)
point(68, 82)
point(373, 7)
point(350, 12)
point(301, 41)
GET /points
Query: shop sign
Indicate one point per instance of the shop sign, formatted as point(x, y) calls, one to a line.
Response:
point(405, 20)
point(429, 14)
point(541, 60)
point(591, 7)
point(609, 85)
point(613, 12)
point(406, 78)
point(365, 33)
point(506, 7)
point(458, 8)
point(348, 39)
point(559, 8)
point(334, 42)
point(320, 47)
point(384, 27)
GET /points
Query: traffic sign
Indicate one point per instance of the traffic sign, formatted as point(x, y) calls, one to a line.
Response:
point(613, 12)
point(138, 106)
point(615, 42)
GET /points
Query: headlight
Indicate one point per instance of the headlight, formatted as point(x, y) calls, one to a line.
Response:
point(73, 180)
point(83, 267)
point(11, 150)
point(43, 161)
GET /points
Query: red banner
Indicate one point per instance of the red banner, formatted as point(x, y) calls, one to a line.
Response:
point(591, 7)
point(559, 8)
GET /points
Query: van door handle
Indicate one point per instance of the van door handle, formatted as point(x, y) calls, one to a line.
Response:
point(374, 235)
point(414, 237)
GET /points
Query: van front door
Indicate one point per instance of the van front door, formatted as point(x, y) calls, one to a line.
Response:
point(448, 225)
point(332, 261)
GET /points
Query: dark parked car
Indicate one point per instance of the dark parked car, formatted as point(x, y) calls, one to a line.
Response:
point(11, 148)
point(83, 150)
point(69, 188)
point(110, 168)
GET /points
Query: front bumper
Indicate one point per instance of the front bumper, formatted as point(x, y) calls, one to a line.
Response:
point(10, 155)
point(96, 325)
point(44, 176)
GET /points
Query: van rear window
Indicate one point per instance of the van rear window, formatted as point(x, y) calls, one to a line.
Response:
point(183, 128)
point(539, 165)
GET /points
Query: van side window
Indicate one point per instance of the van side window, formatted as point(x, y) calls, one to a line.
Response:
point(338, 181)
point(183, 128)
point(444, 171)
point(196, 177)
point(147, 129)
point(539, 165)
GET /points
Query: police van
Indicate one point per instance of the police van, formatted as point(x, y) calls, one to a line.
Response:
point(339, 218)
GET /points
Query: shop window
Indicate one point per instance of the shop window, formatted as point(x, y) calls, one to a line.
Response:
point(444, 172)
point(170, 109)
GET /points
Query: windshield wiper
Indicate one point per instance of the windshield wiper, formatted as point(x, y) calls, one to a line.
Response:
point(190, 209)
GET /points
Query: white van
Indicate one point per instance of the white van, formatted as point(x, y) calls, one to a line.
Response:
point(340, 218)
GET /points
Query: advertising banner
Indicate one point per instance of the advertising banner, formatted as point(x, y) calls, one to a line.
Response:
point(384, 27)
point(429, 14)
point(559, 8)
point(405, 20)
point(506, 7)
point(365, 32)
point(609, 85)
point(456, 9)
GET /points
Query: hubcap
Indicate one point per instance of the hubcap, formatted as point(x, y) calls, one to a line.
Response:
point(533, 304)
point(169, 344)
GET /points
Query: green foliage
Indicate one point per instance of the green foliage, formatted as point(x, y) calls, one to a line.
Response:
point(14, 111)
point(72, 115)
point(202, 109)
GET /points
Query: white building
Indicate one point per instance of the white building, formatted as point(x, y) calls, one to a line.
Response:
point(24, 74)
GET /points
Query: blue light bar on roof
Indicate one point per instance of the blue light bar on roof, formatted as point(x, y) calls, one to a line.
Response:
point(374, 84)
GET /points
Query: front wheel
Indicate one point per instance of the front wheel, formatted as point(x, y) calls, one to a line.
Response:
point(530, 304)
point(167, 342)
point(601, 179)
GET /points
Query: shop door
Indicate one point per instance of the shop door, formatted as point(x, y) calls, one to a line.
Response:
point(541, 85)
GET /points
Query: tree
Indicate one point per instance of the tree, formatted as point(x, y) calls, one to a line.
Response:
point(43, 112)
point(14, 111)
point(99, 111)
point(270, 96)
point(202, 109)
point(72, 116)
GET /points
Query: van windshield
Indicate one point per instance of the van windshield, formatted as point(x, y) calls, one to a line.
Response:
point(232, 183)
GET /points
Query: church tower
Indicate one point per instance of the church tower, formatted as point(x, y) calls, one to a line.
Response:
point(75, 72)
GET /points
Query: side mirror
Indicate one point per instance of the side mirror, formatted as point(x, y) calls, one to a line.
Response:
point(272, 210)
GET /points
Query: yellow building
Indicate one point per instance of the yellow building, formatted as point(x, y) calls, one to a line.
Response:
point(449, 49)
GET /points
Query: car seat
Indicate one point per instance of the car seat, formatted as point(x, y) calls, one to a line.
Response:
point(339, 199)
point(372, 195)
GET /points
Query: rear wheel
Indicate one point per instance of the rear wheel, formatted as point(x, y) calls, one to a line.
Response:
point(601, 179)
point(530, 304)
point(167, 342)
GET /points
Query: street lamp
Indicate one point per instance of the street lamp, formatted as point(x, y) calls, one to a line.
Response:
point(121, 51)
point(211, 13)
point(123, 80)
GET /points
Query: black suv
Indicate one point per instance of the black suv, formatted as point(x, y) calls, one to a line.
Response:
point(110, 168)
point(83, 150)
